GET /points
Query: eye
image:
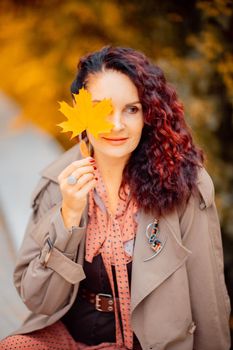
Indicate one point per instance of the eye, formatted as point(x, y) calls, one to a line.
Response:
point(132, 109)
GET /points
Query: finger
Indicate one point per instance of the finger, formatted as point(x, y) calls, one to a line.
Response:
point(78, 174)
point(87, 187)
point(83, 180)
point(75, 165)
point(84, 170)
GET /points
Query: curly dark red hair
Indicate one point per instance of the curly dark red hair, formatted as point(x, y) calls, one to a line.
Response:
point(162, 171)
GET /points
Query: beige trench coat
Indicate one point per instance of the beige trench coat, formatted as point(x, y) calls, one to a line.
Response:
point(178, 298)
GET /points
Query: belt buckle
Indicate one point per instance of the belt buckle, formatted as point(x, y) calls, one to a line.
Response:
point(98, 301)
point(47, 256)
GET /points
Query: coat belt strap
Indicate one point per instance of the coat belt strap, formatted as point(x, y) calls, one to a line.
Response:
point(64, 266)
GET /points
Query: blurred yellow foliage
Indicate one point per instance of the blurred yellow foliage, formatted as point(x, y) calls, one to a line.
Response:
point(208, 44)
point(215, 8)
point(225, 68)
point(40, 48)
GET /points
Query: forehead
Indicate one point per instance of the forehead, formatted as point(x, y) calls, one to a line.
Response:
point(112, 84)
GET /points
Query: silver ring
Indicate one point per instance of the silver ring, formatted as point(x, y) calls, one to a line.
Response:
point(71, 180)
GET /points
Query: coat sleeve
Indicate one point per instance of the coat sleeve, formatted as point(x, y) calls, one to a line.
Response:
point(209, 298)
point(46, 268)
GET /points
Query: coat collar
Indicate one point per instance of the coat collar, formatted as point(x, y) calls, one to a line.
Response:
point(205, 187)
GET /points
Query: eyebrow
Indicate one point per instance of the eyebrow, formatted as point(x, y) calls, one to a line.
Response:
point(127, 104)
point(133, 103)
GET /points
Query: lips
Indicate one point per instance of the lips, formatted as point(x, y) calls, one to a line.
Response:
point(115, 141)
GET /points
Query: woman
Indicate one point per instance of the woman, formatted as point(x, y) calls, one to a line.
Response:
point(123, 249)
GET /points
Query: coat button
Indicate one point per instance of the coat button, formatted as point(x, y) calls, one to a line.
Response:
point(192, 328)
point(202, 205)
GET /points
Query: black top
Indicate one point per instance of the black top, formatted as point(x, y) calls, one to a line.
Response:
point(84, 322)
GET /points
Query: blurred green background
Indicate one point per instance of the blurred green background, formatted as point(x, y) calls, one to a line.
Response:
point(41, 42)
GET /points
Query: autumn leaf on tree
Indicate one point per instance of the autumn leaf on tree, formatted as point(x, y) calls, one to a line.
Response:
point(86, 116)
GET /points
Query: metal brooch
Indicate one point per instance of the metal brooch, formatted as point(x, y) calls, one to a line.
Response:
point(152, 234)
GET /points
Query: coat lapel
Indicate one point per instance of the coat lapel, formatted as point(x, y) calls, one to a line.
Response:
point(148, 275)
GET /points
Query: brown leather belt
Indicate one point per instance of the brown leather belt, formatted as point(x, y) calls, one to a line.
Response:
point(103, 302)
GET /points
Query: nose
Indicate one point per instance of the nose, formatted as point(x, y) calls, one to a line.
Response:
point(117, 121)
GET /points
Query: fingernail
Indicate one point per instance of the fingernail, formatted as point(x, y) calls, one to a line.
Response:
point(94, 167)
point(92, 160)
point(96, 178)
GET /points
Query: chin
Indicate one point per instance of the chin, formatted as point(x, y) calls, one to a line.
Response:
point(116, 154)
point(113, 152)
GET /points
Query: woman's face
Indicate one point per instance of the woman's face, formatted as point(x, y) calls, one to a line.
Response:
point(127, 115)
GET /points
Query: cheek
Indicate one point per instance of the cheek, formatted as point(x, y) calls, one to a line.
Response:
point(91, 138)
point(96, 143)
point(137, 127)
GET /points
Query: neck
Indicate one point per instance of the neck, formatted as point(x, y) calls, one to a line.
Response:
point(111, 169)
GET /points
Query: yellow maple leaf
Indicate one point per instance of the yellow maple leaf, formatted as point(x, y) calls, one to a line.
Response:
point(86, 116)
